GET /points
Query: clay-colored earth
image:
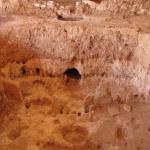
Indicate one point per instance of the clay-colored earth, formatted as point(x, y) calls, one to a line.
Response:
point(76, 78)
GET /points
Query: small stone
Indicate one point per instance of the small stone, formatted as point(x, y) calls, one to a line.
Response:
point(113, 111)
point(127, 107)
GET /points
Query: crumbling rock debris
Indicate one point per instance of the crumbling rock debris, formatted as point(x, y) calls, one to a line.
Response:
point(124, 8)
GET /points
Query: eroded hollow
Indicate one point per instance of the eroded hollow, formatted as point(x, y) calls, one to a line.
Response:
point(72, 73)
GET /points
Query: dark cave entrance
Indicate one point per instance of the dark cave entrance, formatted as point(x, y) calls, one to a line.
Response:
point(72, 73)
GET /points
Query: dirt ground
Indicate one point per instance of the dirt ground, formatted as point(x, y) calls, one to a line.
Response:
point(51, 115)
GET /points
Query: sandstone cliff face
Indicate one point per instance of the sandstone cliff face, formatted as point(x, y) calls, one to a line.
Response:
point(108, 49)
point(72, 82)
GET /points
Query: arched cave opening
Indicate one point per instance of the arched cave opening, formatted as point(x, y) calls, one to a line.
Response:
point(72, 73)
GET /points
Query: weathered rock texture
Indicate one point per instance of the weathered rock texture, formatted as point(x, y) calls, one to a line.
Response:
point(42, 108)
point(110, 49)
point(123, 8)
point(126, 8)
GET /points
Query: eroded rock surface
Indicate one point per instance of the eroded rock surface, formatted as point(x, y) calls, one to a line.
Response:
point(72, 83)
